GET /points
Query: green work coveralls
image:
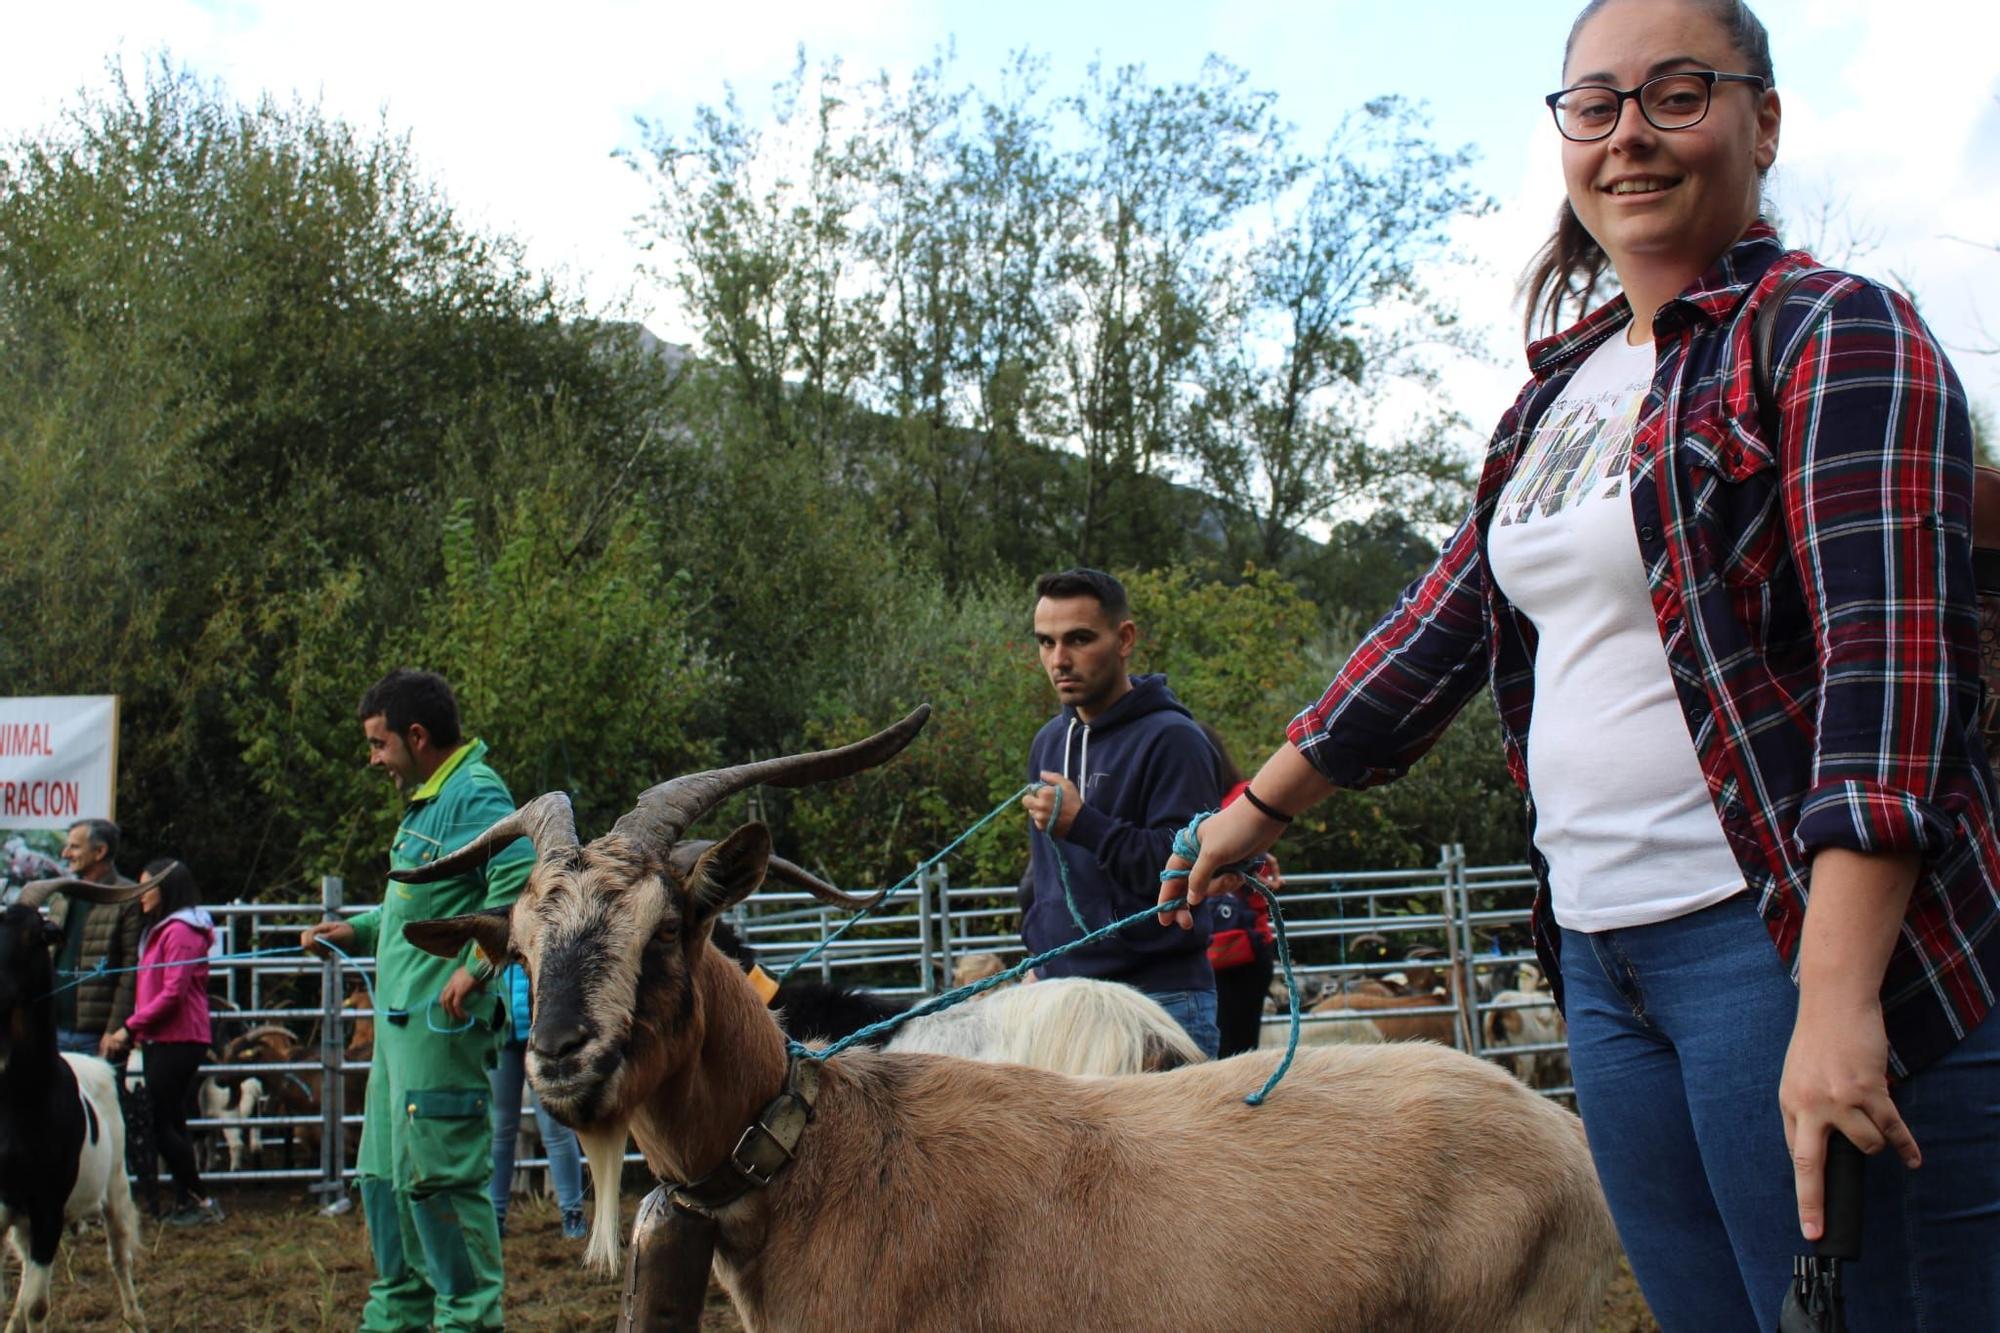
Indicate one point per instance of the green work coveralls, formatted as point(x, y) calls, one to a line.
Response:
point(426, 1144)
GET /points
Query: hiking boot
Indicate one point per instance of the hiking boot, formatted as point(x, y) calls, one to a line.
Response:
point(574, 1227)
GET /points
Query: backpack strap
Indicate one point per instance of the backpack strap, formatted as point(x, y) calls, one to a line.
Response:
point(1763, 334)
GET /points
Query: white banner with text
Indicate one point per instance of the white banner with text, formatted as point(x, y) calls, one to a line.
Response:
point(58, 760)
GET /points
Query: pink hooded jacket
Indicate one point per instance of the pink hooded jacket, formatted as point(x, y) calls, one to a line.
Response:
point(172, 1003)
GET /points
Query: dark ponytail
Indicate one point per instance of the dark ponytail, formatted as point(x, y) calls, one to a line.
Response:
point(177, 889)
point(1571, 265)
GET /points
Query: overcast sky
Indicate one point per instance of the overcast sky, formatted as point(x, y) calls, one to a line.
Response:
point(1892, 110)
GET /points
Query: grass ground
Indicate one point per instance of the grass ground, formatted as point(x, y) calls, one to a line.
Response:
point(275, 1264)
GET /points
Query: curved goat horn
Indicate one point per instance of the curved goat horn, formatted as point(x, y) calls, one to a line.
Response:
point(685, 853)
point(36, 891)
point(546, 821)
point(665, 811)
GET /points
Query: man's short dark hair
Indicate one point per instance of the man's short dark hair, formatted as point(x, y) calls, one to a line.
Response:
point(1080, 582)
point(405, 696)
point(103, 833)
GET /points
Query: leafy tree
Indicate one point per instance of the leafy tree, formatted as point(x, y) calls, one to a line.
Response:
point(248, 358)
point(1331, 311)
point(756, 227)
point(1163, 174)
point(1038, 305)
point(273, 420)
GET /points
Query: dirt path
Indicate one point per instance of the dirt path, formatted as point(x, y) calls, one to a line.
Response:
point(276, 1265)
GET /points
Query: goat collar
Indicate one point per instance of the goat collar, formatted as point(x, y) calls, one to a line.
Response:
point(674, 1235)
point(771, 1141)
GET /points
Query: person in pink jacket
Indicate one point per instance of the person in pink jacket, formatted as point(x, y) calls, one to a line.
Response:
point(170, 1020)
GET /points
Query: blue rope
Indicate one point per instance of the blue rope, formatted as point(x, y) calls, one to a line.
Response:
point(1062, 862)
point(78, 978)
point(1187, 846)
point(951, 998)
point(903, 883)
point(347, 960)
point(431, 1023)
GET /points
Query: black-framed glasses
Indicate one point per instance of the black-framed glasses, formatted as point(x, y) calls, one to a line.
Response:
point(1677, 101)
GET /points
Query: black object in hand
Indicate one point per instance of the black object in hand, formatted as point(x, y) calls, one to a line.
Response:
point(1814, 1302)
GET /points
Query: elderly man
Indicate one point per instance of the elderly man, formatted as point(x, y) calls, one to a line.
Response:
point(426, 1141)
point(95, 935)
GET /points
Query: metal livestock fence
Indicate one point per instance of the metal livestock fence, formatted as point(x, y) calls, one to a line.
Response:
point(1468, 923)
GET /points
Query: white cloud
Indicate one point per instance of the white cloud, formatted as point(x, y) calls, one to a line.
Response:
point(516, 109)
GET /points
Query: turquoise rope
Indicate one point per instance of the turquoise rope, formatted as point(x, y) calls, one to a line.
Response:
point(431, 1023)
point(1062, 862)
point(950, 998)
point(345, 959)
point(1187, 846)
point(1062, 868)
point(903, 883)
point(78, 978)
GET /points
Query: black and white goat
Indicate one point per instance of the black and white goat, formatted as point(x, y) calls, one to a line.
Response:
point(62, 1137)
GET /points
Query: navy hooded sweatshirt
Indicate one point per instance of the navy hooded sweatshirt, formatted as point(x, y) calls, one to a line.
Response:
point(1144, 769)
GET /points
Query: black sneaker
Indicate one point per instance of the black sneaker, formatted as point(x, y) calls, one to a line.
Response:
point(201, 1213)
point(574, 1227)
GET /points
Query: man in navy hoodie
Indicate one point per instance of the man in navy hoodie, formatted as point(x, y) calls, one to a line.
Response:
point(1133, 767)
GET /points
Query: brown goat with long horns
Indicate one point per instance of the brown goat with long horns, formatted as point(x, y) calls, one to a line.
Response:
point(934, 1193)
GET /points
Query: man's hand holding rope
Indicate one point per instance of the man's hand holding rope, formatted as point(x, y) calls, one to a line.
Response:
point(1057, 797)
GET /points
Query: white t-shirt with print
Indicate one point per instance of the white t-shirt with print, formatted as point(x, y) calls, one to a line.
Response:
point(1622, 812)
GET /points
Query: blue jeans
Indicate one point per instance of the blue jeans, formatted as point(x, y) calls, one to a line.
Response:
point(558, 1140)
point(1194, 1010)
point(1677, 1034)
point(77, 1043)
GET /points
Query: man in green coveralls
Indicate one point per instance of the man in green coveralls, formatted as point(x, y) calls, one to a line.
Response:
point(426, 1144)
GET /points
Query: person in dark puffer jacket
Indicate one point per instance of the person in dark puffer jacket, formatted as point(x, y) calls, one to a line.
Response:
point(93, 935)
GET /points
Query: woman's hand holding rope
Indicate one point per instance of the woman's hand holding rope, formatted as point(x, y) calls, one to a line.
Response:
point(1285, 785)
point(1226, 838)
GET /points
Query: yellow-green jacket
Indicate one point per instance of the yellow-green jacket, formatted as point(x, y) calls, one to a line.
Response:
point(458, 803)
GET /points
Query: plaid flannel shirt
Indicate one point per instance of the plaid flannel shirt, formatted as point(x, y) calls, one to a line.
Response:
point(1815, 598)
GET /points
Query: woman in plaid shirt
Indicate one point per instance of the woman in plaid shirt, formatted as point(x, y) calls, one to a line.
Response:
point(1737, 672)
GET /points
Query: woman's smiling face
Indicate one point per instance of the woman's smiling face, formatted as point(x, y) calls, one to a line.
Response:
point(1667, 197)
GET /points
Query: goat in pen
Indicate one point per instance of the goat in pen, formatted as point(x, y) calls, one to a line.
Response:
point(920, 1192)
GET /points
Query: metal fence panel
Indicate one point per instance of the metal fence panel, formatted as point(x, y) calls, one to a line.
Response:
point(1474, 916)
